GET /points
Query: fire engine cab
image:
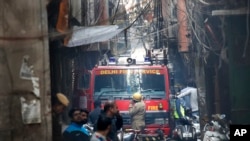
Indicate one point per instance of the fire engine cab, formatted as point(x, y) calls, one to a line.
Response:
point(119, 78)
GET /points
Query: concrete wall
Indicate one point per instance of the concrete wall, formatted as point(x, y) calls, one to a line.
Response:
point(239, 68)
point(23, 44)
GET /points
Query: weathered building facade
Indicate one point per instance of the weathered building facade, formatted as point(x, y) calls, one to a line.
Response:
point(207, 41)
point(24, 72)
point(217, 57)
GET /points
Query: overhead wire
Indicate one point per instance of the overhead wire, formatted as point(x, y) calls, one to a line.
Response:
point(189, 16)
point(139, 15)
point(55, 35)
point(116, 10)
point(153, 33)
point(99, 12)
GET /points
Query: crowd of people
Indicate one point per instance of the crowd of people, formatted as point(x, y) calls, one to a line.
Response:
point(106, 119)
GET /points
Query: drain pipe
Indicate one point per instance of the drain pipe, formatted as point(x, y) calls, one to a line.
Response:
point(183, 41)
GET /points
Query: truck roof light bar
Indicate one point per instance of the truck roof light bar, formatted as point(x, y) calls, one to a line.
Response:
point(112, 61)
point(147, 60)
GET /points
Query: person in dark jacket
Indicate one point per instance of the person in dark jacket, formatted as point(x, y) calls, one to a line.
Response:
point(75, 131)
point(103, 126)
point(111, 111)
point(93, 115)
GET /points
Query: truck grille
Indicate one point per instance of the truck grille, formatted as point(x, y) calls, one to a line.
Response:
point(150, 117)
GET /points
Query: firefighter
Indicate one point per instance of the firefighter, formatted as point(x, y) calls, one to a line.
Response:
point(137, 112)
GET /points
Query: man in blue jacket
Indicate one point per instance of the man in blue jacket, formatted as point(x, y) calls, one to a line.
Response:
point(75, 131)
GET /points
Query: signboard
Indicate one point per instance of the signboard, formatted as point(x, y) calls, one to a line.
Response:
point(128, 71)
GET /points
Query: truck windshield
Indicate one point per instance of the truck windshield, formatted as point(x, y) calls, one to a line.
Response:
point(121, 86)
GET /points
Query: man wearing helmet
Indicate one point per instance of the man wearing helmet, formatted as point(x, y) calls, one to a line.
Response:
point(59, 104)
point(137, 112)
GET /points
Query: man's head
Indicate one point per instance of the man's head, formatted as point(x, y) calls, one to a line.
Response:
point(137, 97)
point(60, 103)
point(104, 124)
point(191, 83)
point(84, 115)
point(97, 103)
point(110, 108)
point(75, 116)
point(178, 87)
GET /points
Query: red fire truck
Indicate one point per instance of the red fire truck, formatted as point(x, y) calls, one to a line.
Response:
point(117, 81)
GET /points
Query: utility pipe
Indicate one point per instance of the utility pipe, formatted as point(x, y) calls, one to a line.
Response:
point(183, 40)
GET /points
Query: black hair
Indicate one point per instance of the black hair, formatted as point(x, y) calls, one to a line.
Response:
point(191, 83)
point(71, 111)
point(108, 105)
point(85, 111)
point(103, 122)
point(97, 103)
